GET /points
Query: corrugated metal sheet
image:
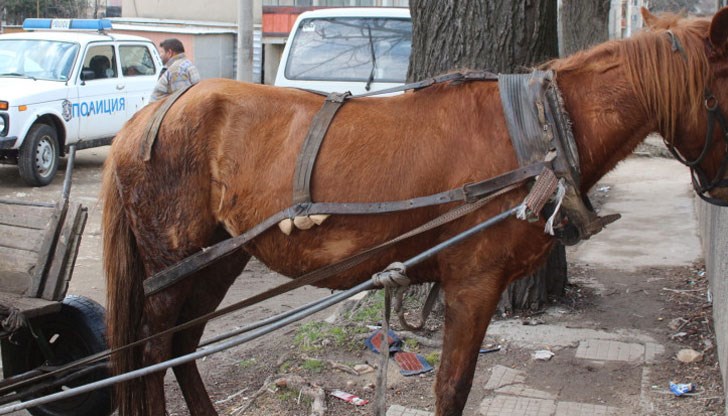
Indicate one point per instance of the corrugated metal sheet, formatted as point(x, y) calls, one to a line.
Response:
point(258, 55)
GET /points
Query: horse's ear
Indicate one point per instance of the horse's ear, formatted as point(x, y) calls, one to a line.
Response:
point(719, 29)
point(649, 18)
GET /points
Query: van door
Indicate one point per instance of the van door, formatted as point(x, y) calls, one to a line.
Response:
point(101, 104)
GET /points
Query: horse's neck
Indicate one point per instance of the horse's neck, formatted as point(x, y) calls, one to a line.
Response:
point(608, 121)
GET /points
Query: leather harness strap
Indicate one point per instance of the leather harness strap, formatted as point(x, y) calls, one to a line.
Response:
point(150, 135)
point(469, 193)
point(311, 145)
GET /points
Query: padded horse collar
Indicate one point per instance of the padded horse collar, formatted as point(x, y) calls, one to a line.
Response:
point(538, 124)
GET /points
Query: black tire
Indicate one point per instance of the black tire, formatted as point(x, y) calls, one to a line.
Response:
point(79, 330)
point(38, 156)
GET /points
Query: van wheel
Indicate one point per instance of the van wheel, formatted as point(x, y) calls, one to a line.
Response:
point(38, 156)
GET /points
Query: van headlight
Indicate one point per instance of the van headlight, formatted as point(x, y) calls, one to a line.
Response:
point(3, 124)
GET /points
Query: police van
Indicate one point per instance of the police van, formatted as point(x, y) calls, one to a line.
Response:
point(68, 81)
point(355, 49)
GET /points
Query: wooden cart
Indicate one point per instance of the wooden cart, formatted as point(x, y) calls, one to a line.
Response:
point(40, 328)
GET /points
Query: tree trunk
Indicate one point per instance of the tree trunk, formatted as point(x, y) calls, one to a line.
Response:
point(500, 36)
point(582, 24)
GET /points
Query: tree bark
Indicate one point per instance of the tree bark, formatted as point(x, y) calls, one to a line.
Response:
point(500, 36)
point(582, 24)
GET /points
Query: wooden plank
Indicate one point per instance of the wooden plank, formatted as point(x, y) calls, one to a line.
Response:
point(22, 215)
point(15, 260)
point(21, 238)
point(14, 281)
point(64, 257)
point(47, 248)
point(30, 307)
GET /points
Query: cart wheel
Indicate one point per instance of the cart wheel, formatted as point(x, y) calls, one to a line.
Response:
point(38, 156)
point(77, 331)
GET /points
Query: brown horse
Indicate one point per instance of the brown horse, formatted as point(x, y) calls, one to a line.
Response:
point(225, 156)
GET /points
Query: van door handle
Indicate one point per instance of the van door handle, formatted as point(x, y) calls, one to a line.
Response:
point(120, 86)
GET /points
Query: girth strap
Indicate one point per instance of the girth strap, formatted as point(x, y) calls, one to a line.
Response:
point(311, 145)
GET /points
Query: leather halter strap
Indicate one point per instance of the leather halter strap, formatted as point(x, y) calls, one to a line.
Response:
point(701, 183)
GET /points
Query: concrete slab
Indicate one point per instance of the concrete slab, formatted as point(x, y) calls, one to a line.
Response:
point(516, 406)
point(653, 230)
point(585, 409)
point(558, 336)
point(503, 376)
point(522, 390)
point(397, 410)
point(608, 350)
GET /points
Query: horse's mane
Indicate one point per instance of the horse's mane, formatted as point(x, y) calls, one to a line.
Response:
point(652, 67)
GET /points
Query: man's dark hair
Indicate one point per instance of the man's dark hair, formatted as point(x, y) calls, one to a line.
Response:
point(173, 45)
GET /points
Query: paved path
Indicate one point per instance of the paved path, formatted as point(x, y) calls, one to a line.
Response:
point(658, 228)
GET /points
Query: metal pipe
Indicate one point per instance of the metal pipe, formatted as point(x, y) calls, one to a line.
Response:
point(330, 300)
point(460, 237)
point(289, 317)
point(258, 324)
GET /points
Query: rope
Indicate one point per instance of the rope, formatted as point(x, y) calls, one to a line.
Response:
point(560, 192)
point(393, 276)
point(540, 193)
point(426, 308)
point(14, 321)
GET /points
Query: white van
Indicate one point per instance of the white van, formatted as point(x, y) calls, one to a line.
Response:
point(347, 49)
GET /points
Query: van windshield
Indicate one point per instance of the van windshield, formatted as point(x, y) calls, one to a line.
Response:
point(351, 49)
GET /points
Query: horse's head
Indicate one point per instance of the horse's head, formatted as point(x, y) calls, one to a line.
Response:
point(693, 109)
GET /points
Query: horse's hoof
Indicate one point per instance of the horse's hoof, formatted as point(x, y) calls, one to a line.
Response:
point(319, 219)
point(286, 226)
point(303, 222)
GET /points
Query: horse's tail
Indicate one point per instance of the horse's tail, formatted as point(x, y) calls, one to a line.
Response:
point(124, 293)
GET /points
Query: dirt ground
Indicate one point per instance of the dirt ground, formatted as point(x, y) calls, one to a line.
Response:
point(648, 300)
point(238, 380)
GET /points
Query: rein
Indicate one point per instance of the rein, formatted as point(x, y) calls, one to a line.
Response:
point(701, 183)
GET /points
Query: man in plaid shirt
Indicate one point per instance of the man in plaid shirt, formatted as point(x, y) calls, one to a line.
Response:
point(178, 71)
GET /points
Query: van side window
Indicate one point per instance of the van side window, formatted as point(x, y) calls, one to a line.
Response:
point(351, 49)
point(99, 63)
point(136, 60)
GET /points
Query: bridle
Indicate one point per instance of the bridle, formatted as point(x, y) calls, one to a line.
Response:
point(701, 183)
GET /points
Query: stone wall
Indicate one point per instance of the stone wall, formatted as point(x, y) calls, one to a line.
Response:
point(713, 223)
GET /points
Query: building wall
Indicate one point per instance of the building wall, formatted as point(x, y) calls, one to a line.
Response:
point(213, 11)
point(216, 11)
point(214, 56)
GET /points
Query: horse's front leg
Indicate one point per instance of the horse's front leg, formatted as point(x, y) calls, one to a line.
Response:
point(469, 306)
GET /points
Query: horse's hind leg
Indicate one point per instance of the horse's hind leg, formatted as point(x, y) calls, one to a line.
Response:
point(211, 286)
point(469, 306)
